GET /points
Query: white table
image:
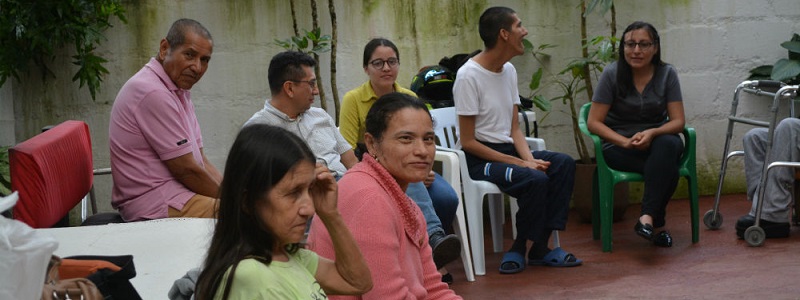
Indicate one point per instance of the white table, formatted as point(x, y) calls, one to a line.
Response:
point(163, 250)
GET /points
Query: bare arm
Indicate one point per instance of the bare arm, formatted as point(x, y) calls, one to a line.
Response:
point(469, 144)
point(596, 124)
point(349, 159)
point(640, 140)
point(522, 147)
point(196, 178)
point(349, 274)
point(210, 168)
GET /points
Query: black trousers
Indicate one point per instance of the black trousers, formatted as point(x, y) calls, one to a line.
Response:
point(659, 167)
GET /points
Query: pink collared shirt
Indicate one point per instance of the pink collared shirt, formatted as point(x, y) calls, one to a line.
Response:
point(152, 120)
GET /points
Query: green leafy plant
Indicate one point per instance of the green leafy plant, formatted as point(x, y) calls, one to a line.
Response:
point(319, 44)
point(33, 31)
point(785, 69)
point(5, 172)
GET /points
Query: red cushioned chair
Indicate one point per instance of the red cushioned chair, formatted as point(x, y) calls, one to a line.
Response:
point(53, 172)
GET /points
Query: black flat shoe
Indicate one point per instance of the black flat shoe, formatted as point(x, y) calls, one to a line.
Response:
point(447, 278)
point(663, 239)
point(771, 229)
point(644, 230)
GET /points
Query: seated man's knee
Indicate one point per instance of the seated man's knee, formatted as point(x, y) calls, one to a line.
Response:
point(789, 124)
point(198, 206)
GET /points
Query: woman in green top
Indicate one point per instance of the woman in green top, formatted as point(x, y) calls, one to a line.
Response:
point(270, 189)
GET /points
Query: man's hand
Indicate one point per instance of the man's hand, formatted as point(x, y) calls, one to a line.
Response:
point(536, 164)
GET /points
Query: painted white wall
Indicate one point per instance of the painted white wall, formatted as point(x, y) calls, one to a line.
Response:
point(712, 43)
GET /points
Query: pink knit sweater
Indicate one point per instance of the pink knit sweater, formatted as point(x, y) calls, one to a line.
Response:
point(390, 231)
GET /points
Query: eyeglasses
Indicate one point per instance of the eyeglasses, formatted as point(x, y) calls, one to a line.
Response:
point(642, 45)
point(378, 63)
point(312, 83)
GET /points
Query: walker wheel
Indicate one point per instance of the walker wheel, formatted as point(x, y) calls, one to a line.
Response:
point(711, 222)
point(755, 236)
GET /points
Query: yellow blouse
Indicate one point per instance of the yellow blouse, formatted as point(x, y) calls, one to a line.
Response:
point(355, 106)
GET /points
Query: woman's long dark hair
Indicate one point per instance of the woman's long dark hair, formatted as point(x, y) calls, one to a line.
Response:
point(624, 73)
point(259, 158)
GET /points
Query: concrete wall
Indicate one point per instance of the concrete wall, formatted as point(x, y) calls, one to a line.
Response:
point(713, 43)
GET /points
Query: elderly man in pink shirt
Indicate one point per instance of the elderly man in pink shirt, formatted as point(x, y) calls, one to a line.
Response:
point(157, 160)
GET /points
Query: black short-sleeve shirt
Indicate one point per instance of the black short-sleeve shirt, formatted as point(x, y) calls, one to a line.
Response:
point(636, 112)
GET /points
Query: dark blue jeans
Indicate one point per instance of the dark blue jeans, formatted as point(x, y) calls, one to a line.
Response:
point(659, 167)
point(543, 197)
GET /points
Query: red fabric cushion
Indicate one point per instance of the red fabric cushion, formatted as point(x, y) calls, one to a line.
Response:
point(52, 172)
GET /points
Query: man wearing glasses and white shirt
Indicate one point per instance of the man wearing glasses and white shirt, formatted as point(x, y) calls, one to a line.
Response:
point(294, 86)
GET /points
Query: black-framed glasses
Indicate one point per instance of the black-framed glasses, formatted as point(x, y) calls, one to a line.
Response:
point(312, 83)
point(642, 45)
point(379, 63)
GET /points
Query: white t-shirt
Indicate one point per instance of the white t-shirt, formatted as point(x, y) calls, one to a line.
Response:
point(488, 96)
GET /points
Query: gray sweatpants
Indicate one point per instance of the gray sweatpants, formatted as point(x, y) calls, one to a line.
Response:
point(785, 147)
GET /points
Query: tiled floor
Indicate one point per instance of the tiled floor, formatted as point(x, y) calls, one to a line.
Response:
point(720, 266)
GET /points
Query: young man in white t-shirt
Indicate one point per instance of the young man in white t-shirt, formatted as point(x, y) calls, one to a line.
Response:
point(486, 98)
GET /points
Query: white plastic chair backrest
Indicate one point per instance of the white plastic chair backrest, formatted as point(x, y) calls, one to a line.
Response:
point(445, 125)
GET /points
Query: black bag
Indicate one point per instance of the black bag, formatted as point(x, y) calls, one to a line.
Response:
point(456, 61)
point(114, 285)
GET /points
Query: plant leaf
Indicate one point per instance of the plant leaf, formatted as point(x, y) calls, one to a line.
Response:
point(765, 71)
point(785, 69)
point(540, 102)
point(794, 49)
point(528, 45)
point(536, 79)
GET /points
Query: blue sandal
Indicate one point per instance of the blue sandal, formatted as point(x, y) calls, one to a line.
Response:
point(557, 258)
point(513, 263)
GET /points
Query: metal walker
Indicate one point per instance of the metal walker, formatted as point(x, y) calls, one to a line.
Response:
point(754, 235)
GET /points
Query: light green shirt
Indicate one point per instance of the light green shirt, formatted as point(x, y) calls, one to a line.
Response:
point(293, 279)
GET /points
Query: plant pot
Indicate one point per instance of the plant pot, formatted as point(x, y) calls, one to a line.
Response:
point(582, 194)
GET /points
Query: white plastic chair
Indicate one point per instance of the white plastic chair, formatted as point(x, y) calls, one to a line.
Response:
point(452, 174)
point(446, 129)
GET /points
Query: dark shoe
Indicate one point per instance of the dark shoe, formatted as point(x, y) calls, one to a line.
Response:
point(771, 229)
point(744, 222)
point(447, 278)
point(663, 239)
point(644, 230)
point(446, 248)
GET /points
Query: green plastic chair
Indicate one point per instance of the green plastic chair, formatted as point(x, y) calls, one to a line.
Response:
point(605, 178)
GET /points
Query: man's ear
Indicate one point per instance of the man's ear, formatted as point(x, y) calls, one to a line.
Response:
point(504, 34)
point(163, 48)
point(288, 88)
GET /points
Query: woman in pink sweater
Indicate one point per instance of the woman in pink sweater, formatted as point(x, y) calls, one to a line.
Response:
point(387, 225)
